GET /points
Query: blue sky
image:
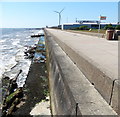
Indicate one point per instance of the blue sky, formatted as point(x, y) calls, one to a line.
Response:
point(40, 14)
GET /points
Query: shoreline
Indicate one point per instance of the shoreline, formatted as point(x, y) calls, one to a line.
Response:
point(35, 89)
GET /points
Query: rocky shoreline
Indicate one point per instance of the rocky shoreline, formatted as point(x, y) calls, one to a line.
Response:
point(19, 101)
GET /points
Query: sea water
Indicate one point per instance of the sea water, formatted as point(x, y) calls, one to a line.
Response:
point(13, 43)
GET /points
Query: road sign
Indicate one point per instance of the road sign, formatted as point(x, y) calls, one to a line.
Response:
point(102, 17)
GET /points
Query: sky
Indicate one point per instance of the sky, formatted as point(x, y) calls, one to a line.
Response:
point(41, 14)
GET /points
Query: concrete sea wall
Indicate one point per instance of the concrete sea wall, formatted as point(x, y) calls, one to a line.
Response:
point(70, 91)
point(106, 83)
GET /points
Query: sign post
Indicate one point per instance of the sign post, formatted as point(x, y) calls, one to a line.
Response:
point(99, 26)
point(101, 18)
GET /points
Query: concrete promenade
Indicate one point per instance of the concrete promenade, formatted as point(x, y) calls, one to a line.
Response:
point(97, 58)
point(101, 52)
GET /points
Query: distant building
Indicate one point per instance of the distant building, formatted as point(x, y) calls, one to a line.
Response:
point(87, 21)
point(90, 23)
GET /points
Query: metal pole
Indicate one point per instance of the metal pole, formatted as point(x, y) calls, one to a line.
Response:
point(67, 19)
point(76, 19)
point(99, 26)
point(60, 18)
point(112, 91)
point(76, 109)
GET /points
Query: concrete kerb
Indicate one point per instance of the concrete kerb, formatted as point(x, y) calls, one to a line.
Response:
point(75, 87)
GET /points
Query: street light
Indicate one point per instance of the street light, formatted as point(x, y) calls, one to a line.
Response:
point(59, 13)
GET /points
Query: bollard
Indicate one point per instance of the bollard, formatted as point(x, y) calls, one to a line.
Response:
point(117, 34)
point(118, 37)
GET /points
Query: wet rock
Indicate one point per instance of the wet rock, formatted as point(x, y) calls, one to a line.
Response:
point(12, 87)
point(10, 93)
point(11, 101)
point(30, 52)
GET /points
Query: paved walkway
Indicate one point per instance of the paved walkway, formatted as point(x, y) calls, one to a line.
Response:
point(101, 52)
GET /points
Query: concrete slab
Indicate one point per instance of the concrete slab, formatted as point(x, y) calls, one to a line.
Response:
point(96, 57)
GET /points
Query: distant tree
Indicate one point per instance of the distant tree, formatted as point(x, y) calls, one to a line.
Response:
point(108, 27)
point(84, 28)
point(117, 27)
point(75, 28)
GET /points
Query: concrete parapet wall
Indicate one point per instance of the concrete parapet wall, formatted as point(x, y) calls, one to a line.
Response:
point(69, 86)
point(62, 100)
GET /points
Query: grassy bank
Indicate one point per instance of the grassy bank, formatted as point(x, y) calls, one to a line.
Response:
point(93, 31)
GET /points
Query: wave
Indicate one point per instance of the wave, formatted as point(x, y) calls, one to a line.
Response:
point(14, 42)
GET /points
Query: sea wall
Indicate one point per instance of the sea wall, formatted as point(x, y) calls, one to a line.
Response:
point(106, 84)
point(70, 91)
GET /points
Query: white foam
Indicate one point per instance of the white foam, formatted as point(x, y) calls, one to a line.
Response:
point(41, 32)
point(19, 56)
point(15, 42)
point(22, 77)
point(5, 36)
point(1, 41)
point(9, 63)
point(6, 63)
point(27, 37)
point(2, 70)
point(17, 35)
